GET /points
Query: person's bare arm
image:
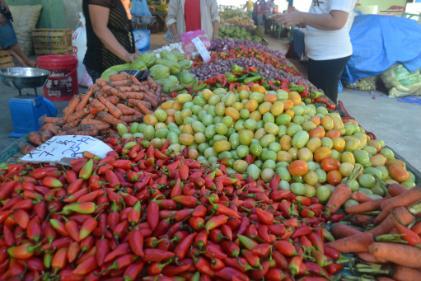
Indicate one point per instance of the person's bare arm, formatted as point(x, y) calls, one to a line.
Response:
point(215, 18)
point(215, 29)
point(171, 20)
point(333, 21)
point(99, 18)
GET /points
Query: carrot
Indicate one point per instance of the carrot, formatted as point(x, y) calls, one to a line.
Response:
point(111, 107)
point(106, 89)
point(404, 199)
point(401, 215)
point(151, 98)
point(369, 258)
point(108, 118)
point(46, 135)
point(126, 89)
point(113, 99)
point(361, 220)
point(395, 189)
point(71, 125)
point(52, 120)
point(397, 253)
point(78, 115)
point(101, 82)
point(364, 207)
point(131, 95)
point(357, 243)
point(35, 138)
point(121, 83)
point(84, 100)
point(126, 110)
point(97, 105)
point(72, 105)
point(360, 197)
point(140, 105)
point(339, 196)
point(97, 124)
point(131, 118)
point(402, 273)
point(50, 127)
point(417, 228)
point(119, 77)
point(340, 230)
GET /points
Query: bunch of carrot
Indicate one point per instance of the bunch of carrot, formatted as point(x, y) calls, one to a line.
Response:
point(122, 99)
point(393, 236)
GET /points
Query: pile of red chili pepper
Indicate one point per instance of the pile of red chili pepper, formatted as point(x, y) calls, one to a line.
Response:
point(139, 214)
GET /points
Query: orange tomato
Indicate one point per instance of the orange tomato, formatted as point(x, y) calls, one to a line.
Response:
point(318, 132)
point(271, 98)
point(339, 144)
point(322, 153)
point(288, 104)
point(334, 177)
point(333, 134)
point(258, 88)
point(316, 120)
point(398, 172)
point(329, 164)
point(252, 105)
point(290, 113)
point(243, 88)
point(294, 97)
point(298, 168)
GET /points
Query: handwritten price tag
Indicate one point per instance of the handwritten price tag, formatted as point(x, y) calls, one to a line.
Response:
point(60, 149)
point(200, 47)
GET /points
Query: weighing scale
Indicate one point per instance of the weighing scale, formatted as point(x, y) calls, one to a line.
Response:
point(27, 109)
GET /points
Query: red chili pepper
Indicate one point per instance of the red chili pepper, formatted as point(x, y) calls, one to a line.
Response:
point(6, 189)
point(185, 200)
point(286, 248)
point(35, 264)
point(40, 173)
point(203, 266)
point(21, 218)
point(231, 248)
point(296, 265)
point(59, 259)
point(101, 251)
point(22, 252)
point(260, 273)
point(121, 249)
point(181, 249)
point(72, 252)
point(200, 211)
point(251, 258)
point(152, 214)
point(316, 269)
point(112, 179)
point(224, 210)
point(72, 230)
point(216, 221)
point(214, 251)
point(302, 231)
point(201, 239)
point(177, 270)
point(216, 235)
point(167, 204)
point(280, 260)
point(157, 255)
point(74, 186)
point(73, 197)
point(85, 267)
point(227, 231)
point(277, 229)
point(24, 204)
point(133, 271)
point(264, 216)
point(33, 230)
point(103, 168)
point(182, 214)
point(134, 215)
point(120, 229)
point(135, 240)
point(90, 197)
point(228, 273)
point(87, 227)
point(197, 223)
point(183, 171)
point(262, 250)
point(59, 226)
point(263, 231)
point(275, 274)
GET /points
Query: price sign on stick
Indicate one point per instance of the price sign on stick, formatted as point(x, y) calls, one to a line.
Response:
point(200, 47)
point(60, 149)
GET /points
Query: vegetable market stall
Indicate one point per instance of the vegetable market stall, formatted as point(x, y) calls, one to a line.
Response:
point(245, 172)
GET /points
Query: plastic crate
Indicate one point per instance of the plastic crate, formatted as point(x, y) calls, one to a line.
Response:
point(52, 41)
point(6, 60)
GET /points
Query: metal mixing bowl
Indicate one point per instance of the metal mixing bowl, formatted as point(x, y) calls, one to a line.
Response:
point(23, 77)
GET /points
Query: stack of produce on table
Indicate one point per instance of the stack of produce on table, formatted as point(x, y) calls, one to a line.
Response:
point(122, 99)
point(241, 21)
point(169, 68)
point(385, 233)
point(400, 82)
point(139, 213)
point(238, 32)
point(261, 52)
point(366, 84)
point(262, 133)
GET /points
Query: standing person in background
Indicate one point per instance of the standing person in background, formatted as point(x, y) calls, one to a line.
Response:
point(109, 34)
point(327, 40)
point(8, 40)
point(189, 15)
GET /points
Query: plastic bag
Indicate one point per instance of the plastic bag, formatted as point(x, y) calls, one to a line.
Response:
point(79, 42)
point(140, 8)
point(188, 46)
point(400, 82)
point(142, 38)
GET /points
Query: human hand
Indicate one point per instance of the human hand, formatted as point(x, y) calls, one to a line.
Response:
point(291, 18)
point(131, 57)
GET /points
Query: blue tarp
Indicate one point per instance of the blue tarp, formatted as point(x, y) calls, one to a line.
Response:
point(379, 42)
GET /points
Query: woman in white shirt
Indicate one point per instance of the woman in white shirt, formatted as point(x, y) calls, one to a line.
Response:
point(327, 40)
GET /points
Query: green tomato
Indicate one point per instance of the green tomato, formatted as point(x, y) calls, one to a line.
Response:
point(149, 132)
point(202, 147)
point(199, 138)
point(161, 115)
point(134, 127)
point(225, 155)
point(283, 119)
point(312, 166)
point(214, 99)
point(367, 180)
point(283, 173)
point(323, 192)
point(268, 117)
point(267, 174)
point(255, 148)
point(209, 152)
point(299, 119)
point(253, 171)
point(300, 139)
point(388, 153)
point(240, 166)
point(220, 109)
point(210, 131)
point(198, 126)
point(266, 140)
point(246, 137)
point(362, 157)
point(234, 139)
point(244, 95)
point(242, 151)
point(282, 95)
point(298, 109)
point(268, 155)
point(271, 164)
point(275, 146)
point(371, 150)
point(172, 137)
point(228, 121)
point(258, 163)
point(293, 129)
point(374, 171)
point(354, 185)
point(161, 133)
point(211, 110)
point(321, 175)
point(327, 142)
point(282, 130)
point(310, 191)
point(138, 135)
point(250, 124)
point(298, 189)
point(259, 97)
point(221, 129)
point(207, 119)
point(199, 100)
point(196, 109)
point(239, 125)
point(244, 113)
point(271, 128)
point(284, 185)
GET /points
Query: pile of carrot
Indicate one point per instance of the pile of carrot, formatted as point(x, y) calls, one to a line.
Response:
point(122, 99)
point(385, 231)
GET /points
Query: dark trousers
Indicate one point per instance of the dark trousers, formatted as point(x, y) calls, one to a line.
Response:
point(326, 74)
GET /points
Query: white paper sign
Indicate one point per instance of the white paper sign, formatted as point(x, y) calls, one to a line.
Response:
point(204, 53)
point(60, 149)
